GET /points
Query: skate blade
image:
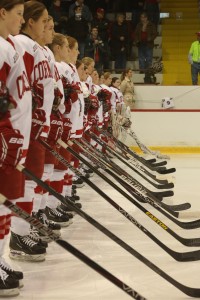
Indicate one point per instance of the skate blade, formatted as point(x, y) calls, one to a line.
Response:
point(18, 255)
point(9, 292)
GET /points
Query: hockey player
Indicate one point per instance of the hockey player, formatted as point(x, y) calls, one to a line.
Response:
point(15, 125)
point(22, 247)
point(77, 109)
point(56, 127)
point(60, 48)
point(89, 63)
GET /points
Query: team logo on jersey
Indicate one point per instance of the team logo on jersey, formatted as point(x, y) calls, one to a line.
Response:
point(22, 84)
point(15, 57)
point(35, 47)
point(49, 58)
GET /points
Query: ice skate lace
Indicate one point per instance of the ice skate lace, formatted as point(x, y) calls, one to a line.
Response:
point(43, 217)
point(34, 235)
point(82, 171)
point(61, 210)
point(5, 265)
point(56, 213)
point(28, 241)
point(3, 274)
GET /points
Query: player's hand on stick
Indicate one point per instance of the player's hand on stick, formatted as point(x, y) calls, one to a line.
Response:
point(56, 128)
point(38, 120)
point(11, 142)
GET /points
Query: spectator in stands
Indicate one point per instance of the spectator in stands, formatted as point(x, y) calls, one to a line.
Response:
point(95, 4)
point(137, 9)
point(47, 3)
point(127, 88)
point(119, 42)
point(85, 11)
point(78, 28)
point(145, 34)
point(58, 16)
point(65, 4)
point(102, 24)
point(194, 59)
point(96, 48)
point(153, 11)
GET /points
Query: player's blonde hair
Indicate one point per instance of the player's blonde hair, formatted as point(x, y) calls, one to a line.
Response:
point(87, 61)
point(58, 39)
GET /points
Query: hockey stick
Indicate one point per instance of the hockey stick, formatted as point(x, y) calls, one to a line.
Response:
point(193, 292)
point(98, 154)
point(102, 143)
point(144, 149)
point(71, 249)
point(136, 187)
point(138, 166)
point(185, 225)
point(154, 166)
point(124, 148)
point(159, 195)
point(186, 256)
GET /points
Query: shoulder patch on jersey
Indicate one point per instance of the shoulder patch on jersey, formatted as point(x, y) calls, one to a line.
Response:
point(15, 57)
point(35, 47)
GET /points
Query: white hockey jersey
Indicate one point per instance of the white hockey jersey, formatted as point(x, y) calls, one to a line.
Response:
point(12, 72)
point(57, 80)
point(38, 70)
point(118, 95)
point(99, 115)
point(77, 111)
point(113, 98)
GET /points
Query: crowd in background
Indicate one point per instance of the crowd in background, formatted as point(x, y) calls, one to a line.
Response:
point(106, 30)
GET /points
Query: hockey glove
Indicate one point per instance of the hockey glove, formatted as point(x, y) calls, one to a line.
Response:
point(56, 128)
point(38, 120)
point(37, 95)
point(67, 126)
point(11, 142)
point(4, 99)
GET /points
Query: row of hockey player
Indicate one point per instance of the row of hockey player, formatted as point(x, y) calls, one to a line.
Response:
point(45, 93)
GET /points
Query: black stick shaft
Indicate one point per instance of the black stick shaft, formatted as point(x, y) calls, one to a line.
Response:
point(139, 189)
point(74, 251)
point(135, 163)
point(125, 149)
point(186, 225)
point(138, 169)
point(187, 256)
point(185, 289)
point(159, 195)
point(164, 185)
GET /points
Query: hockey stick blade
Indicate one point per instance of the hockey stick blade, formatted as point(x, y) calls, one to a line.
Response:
point(188, 256)
point(180, 207)
point(187, 290)
point(167, 171)
point(159, 164)
point(186, 225)
point(161, 195)
point(102, 143)
point(193, 292)
point(71, 249)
